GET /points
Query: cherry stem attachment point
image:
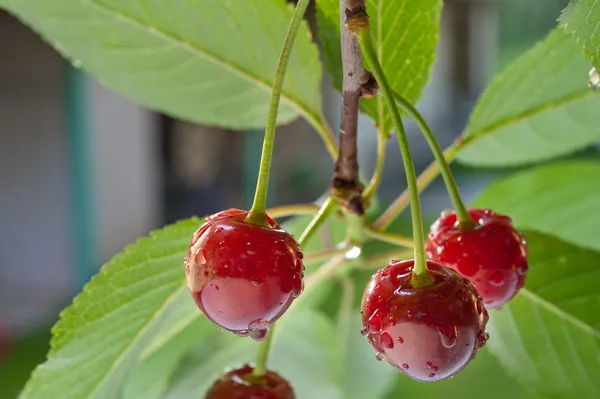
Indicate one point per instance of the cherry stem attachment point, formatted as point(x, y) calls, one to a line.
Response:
point(463, 217)
point(420, 276)
point(257, 214)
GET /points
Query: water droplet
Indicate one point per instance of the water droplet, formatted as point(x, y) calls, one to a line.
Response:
point(392, 321)
point(242, 333)
point(448, 336)
point(386, 272)
point(217, 287)
point(364, 331)
point(400, 340)
point(482, 338)
point(187, 270)
point(405, 365)
point(497, 279)
point(387, 341)
point(431, 375)
point(219, 229)
point(249, 252)
point(353, 253)
point(300, 255)
point(256, 283)
point(206, 273)
point(379, 356)
point(431, 366)
point(259, 329)
point(594, 79)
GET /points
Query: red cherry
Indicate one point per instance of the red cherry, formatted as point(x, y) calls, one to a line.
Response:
point(243, 276)
point(428, 333)
point(240, 384)
point(493, 254)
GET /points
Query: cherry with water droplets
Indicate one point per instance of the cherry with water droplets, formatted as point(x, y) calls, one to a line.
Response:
point(437, 329)
point(241, 384)
point(243, 276)
point(492, 254)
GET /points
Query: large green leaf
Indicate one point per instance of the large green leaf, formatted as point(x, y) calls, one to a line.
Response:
point(581, 19)
point(561, 199)
point(137, 298)
point(210, 61)
point(538, 108)
point(405, 33)
point(549, 335)
point(305, 351)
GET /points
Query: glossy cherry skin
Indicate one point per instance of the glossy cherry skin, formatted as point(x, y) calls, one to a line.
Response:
point(243, 276)
point(428, 333)
point(240, 384)
point(493, 254)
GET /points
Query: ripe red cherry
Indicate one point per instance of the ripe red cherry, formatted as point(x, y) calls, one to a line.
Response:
point(243, 276)
point(493, 254)
point(240, 384)
point(429, 333)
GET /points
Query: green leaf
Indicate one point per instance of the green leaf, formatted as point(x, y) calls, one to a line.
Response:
point(405, 33)
point(209, 61)
point(581, 19)
point(538, 108)
point(137, 298)
point(305, 351)
point(549, 335)
point(561, 199)
point(151, 377)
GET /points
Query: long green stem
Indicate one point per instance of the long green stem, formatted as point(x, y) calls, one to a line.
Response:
point(320, 125)
point(378, 174)
point(257, 213)
point(424, 180)
point(420, 275)
point(459, 206)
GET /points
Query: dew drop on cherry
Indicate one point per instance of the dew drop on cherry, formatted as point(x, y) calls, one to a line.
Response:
point(387, 341)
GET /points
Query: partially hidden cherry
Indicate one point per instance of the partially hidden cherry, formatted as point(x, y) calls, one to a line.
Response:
point(243, 276)
point(492, 254)
point(429, 333)
point(240, 384)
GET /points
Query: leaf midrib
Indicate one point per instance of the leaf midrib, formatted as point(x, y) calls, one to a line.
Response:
point(474, 136)
point(560, 312)
point(290, 100)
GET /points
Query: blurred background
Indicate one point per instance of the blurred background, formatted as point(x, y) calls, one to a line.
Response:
point(84, 172)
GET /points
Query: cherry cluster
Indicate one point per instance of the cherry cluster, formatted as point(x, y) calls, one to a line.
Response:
point(244, 276)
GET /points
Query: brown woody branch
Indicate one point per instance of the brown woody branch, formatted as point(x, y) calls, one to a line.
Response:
point(357, 83)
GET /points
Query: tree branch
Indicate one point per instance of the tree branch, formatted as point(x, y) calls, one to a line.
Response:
point(357, 83)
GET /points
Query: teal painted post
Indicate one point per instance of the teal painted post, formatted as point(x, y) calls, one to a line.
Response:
point(83, 228)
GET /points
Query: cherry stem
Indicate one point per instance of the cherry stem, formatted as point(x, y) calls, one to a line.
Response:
point(401, 203)
point(464, 219)
point(257, 214)
point(420, 276)
point(260, 368)
point(282, 211)
point(389, 238)
point(328, 207)
point(378, 174)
